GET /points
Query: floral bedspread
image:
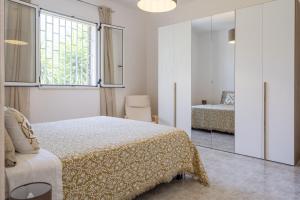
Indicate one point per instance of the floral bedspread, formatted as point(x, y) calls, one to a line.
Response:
point(111, 158)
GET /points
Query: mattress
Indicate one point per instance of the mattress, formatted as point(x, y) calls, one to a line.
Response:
point(218, 117)
point(111, 158)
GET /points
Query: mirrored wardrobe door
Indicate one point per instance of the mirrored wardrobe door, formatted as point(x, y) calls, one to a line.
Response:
point(222, 97)
point(201, 81)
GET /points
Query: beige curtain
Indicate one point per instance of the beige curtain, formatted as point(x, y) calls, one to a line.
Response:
point(107, 95)
point(19, 97)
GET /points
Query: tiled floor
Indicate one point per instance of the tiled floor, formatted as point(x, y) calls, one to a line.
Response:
point(234, 177)
point(215, 140)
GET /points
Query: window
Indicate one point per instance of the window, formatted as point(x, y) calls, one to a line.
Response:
point(68, 51)
point(112, 58)
point(20, 43)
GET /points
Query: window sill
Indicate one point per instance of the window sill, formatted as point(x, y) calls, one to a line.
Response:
point(20, 84)
point(50, 87)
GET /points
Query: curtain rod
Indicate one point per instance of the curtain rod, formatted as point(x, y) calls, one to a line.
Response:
point(91, 4)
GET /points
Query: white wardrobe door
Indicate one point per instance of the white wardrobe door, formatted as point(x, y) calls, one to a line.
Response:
point(278, 62)
point(249, 83)
point(183, 64)
point(175, 69)
point(166, 78)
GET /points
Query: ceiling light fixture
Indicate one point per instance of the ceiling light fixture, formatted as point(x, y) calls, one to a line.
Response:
point(16, 42)
point(157, 6)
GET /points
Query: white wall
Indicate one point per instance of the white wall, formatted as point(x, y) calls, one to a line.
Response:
point(194, 10)
point(59, 104)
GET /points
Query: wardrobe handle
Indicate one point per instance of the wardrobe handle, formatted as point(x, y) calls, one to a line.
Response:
point(265, 119)
point(175, 104)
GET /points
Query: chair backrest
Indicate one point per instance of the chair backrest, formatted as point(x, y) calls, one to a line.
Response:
point(137, 107)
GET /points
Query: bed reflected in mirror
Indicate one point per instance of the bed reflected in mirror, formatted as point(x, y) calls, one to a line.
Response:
point(213, 95)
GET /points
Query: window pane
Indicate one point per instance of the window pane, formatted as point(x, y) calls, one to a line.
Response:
point(113, 38)
point(69, 54)
point(43, 22)
point(20, 44)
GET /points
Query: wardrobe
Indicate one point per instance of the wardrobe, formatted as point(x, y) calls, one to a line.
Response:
point(174, 76)
point(267, 80)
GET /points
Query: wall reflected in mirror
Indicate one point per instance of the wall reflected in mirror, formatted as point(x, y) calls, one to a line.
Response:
point(213, 94)
point(20, 42)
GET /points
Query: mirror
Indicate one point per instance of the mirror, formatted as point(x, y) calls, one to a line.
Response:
point(201, 81)
point(112, 59)
point(223, 48)
point(213, 94)
point(20, 43)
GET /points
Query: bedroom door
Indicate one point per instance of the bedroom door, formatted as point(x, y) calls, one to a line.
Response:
point(174, 76)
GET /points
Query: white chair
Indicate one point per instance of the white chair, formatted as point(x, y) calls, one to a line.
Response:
point(137, 107)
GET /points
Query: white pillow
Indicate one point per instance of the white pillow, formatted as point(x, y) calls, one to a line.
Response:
point(229, 100)
point(20, 132)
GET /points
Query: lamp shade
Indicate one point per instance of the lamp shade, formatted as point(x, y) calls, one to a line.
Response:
point(16, 42)
point(231, 36)
point(157, 6)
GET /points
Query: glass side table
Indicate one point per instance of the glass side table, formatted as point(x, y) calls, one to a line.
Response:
point(32, 191)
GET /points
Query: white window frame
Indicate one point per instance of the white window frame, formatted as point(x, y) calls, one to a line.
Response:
point(102, 84)
point(72, 18)
point(99, 54)
point(37, 45)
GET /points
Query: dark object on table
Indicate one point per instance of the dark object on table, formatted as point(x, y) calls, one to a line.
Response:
point(204, 102)
point(32, 191)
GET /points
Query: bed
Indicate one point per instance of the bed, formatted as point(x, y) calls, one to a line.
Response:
point(111, 158)
point(219, 117)
point(213, 117)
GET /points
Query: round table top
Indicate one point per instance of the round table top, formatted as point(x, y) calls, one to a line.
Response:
point(30, 191)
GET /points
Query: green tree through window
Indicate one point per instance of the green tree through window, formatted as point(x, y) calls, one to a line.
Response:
point(68, 51)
